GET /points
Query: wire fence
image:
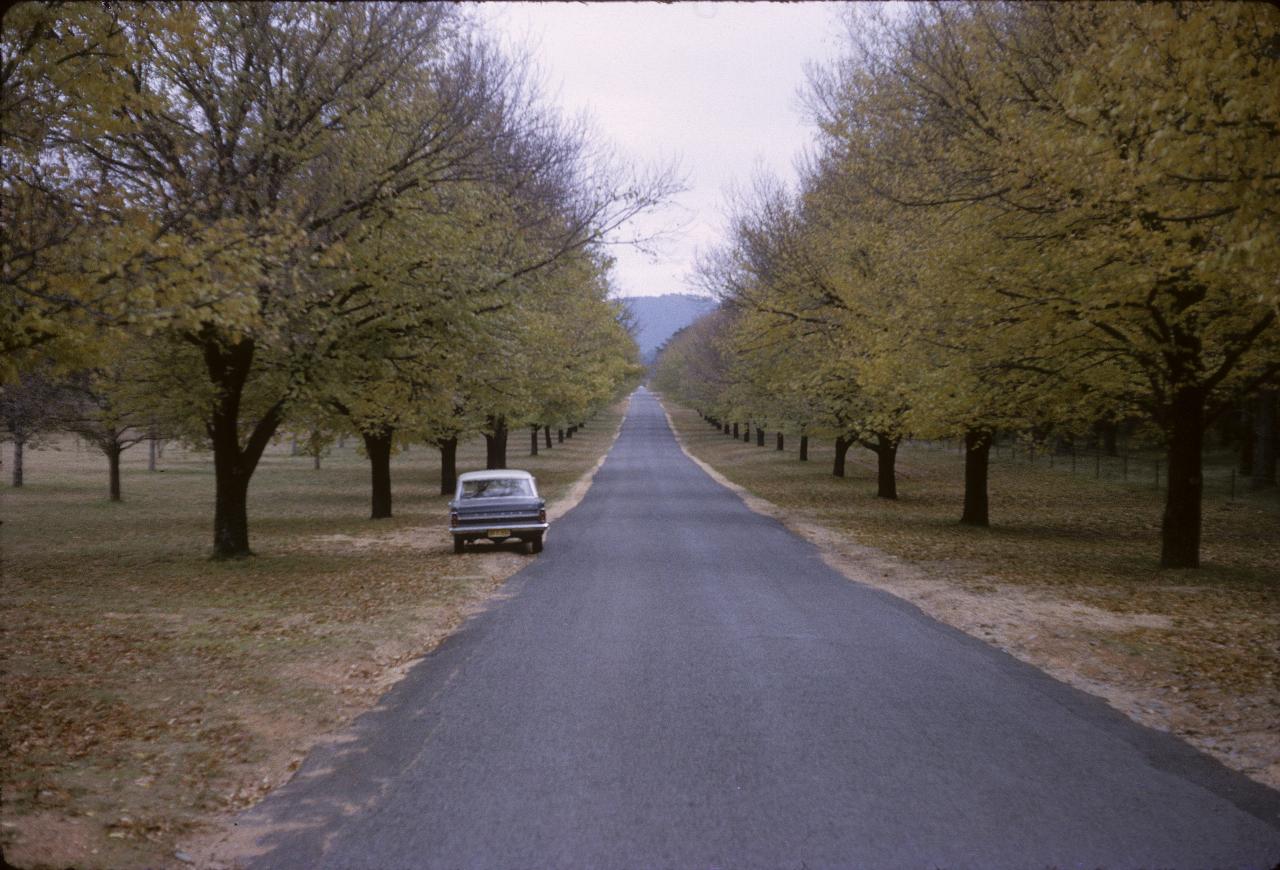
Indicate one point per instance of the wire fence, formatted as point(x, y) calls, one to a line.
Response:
point(1220, 475)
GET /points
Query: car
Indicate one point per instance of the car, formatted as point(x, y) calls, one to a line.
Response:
point(497, 505)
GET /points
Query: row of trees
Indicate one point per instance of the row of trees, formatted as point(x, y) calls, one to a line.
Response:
point(1016, 217)
point(233, 218)
point(111, 416)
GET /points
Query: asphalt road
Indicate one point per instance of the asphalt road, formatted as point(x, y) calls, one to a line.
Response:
point(679, 682)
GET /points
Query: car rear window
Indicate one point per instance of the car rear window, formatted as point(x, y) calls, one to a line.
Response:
point(498, 488)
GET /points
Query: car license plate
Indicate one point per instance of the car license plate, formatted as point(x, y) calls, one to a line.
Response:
point(499, 533)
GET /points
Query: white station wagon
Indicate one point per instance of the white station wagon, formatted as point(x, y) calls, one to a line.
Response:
point(497, 505)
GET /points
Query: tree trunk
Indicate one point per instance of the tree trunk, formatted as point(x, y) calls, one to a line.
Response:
point(804, 448)
point(735, 431)
point(230, 511)
point(1109, 431)
point(533, 440)
point(546, 431)
point(886, 450)
point(726, 429)
point(1227, 427)
point(1180, 529)
point(316, 449)
point(378, 445)
point(1247, 430)
point(780, 442)
point(448, 465)
point(1264, 442)
point(151, 453)
point(228, 369)
point(569, 432)
point(495, 442)
point(231, 500)
point(18, 445)
point(294, 449)
point(759, 437)
point(746, 433)
point(842, 450)
point(977, 455)
point(559, 436)
point(113, 471)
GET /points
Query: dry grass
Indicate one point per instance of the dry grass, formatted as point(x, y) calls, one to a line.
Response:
point(149, 691)
point(1065, 578)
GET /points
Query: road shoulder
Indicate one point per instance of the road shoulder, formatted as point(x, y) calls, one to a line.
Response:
point(1068, 639)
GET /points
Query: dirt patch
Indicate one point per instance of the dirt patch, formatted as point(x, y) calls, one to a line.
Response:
point(1124, 656)
point(53, 835)
point(425, 538)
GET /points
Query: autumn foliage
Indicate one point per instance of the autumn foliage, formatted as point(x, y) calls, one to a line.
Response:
point(325, 218)
point(1021, 217)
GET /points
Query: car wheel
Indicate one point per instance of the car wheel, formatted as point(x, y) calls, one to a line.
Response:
point(458, 544)
point(535, 544)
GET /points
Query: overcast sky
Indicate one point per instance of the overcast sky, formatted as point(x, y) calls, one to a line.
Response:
point(714, 85)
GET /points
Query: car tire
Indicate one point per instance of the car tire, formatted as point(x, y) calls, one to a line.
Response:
point(458, 544)
point(535, 544)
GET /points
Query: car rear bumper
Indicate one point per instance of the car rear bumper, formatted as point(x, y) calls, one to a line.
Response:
point(482, 531)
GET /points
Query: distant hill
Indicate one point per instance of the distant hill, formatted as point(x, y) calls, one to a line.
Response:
point(660, 317)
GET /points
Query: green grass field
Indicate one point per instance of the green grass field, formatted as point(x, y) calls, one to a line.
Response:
point(149, 690)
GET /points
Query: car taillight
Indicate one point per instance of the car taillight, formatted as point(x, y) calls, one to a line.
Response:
point(453, 518)
point(542, 516)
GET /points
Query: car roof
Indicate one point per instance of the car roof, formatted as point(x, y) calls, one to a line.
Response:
point(494, 474)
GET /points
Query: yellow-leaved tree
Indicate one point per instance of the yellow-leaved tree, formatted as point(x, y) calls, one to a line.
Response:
point(1102, 175)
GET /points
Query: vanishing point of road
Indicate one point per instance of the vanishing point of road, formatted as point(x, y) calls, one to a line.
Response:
point(680, 682)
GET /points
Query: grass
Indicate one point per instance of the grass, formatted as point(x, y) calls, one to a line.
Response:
point(149, 691)
point(1066, 577)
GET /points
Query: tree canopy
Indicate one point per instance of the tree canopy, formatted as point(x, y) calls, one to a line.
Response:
point(353, 213)
point(1020, 217)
